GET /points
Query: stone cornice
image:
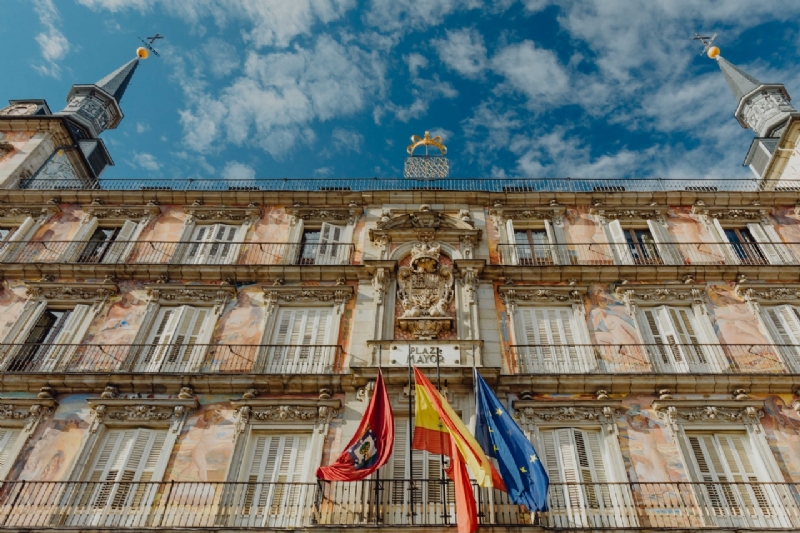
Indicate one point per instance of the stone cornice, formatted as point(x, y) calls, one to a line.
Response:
point(337, 294)
point(302, 411)
point(566, 294)
point(25, 412)
point(18, 213)
point(158, 412)
point(528, 213)
point(331, 214)
point(544, 412)
point(188, 294)
point(649, 212)
point(770, 293)
point(666, 294)
point(709, 411)
point(426, 225)
point(71, 292)
point(747, 213)
point(222, 214)
point(119, 214)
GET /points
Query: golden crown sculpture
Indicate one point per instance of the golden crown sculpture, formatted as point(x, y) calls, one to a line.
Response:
point(426, 167)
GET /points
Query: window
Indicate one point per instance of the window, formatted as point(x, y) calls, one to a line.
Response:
point(216, 244)
point(324, 246)
point(733, 485)
point(9, 437)
point(783, 325)
point(177, 341)
point(640, 244)
point(301, 341)
point(542, 245)
point(109, 244)
point(676, 343)
point(533, 247)
point(549, 338)
point(745, 247)
point(752, 244)
point(12, 242)
point(49, 339)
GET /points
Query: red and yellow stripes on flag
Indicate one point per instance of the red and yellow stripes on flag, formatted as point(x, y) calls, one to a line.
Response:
point(434, 436)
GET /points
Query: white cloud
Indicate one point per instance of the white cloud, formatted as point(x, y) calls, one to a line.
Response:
point(220, 57)
point(146, 161)
point(142, 127)
point(415, 63)
point(463, 51)
point(235, 170)
point(323, 172)
point(274, 23)
point(534, 72)
point(345, 140)
point(279, 96)
point(400, 16)
point(52, 43)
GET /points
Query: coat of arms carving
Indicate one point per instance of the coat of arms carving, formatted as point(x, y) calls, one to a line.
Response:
point(425, 291)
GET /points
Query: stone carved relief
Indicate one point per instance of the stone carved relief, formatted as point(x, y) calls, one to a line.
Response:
point(348, 214)
point(510, 295)
point(269, 411)
point(32, 211)
point(168, 411)
point(222, 214)
point(71, 291)
point(532, 415)
point(25, 412)
point(338, 295)
point(218, 294)
point(632, 294)
point(425, 290)
point(674, 414)
point(768, 293)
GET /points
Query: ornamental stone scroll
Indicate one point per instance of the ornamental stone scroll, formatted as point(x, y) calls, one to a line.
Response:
point(316, 413)
point(533, 413)
point(133, 411)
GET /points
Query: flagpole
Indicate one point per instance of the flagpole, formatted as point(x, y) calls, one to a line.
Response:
point(410, 440)
point(442, 479)
point(475, 380)
point(378, 471)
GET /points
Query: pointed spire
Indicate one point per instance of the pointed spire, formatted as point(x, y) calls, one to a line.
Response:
point(740, 82)
point(116, 82)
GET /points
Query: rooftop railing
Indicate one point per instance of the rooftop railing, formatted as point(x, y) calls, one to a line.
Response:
point(169, 358)
point(184, 253)
point(655, 358)
point(421, 502)
point(674, 253)
point(498, 185)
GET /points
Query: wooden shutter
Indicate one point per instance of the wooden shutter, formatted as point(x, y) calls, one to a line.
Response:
point(196, 249)
point(330, 244)
point(192, 331)
point(122, 245)
point(15, 242)
point(666, 248)
point(618, 243)
point(299, 340)
point(220, 246)
point(783, 323)
point(783, 250)
point(69, 331)
point(674, 331)
point(765, 244)
point(510, 256)
point(727, 250)
point(558, 242)
point(551, 338)
point(8, 440)
point(159, 339)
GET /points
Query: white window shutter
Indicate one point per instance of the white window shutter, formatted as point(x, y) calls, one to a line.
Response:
point(510, 256)
point(159, 339)
point(666, 248)
point(550, 334)
point(193, 330)
point(781, 248)
point(328, 249)
point(618, 243)
point(726, 251)
point(23, 231)
point(767, 248)
point(73, 250)
point(299, 333)
point(220, 248)
point(783, 326)
point(8, 440)
point(197, 248)
point(70, 333)
point(122, 245)
point(558, 242)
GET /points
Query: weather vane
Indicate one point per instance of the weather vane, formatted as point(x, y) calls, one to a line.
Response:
point(708, 47)
point(426, 166)
point(143, 52)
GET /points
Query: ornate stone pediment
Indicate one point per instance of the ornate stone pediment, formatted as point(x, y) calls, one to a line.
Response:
point(551, 212)
point(337, 295)
point(25, 413)
point(709, 411)
point(769, 293)
point(294, 411)
point(511, 295)
point(672, 294)
point(425, 225)
point(119, 214)
point(19, 213)
point(548, 412)
point(187, 294)
point(333, 215)
point(71, 292)
point(222, 214)
point(151, 412)
point(750, 213)
point(425, 291)
point(651, 212)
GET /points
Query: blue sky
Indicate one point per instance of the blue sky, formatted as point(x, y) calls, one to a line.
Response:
point(301, 88)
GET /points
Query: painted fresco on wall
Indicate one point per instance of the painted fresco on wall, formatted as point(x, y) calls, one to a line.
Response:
point(788, 227)
point(694, 239)
point(493, 240)
point(59, 230)
point(613, 330)
point(11, 142)
point(649, 452)
point(242, 322)
point(203, 450)
point(271, 228)
point(782, 430)
point(581, 228)
point(165, 228)
point(12, 299)
point(52, 450)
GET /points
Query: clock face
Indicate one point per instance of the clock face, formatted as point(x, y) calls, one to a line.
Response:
point(19, 109)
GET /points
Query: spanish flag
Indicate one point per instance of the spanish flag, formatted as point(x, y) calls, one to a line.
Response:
point(438, 429)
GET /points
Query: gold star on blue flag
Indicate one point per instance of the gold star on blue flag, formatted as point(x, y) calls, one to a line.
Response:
point(518, 463)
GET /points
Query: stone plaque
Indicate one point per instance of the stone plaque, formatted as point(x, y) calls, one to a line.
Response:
point(422, 354)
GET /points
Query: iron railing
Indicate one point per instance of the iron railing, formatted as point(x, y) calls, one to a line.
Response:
point(654, 358)
point(170, 358)
point(189, 505)
point(499, 185)
point(676, 253)
point(192, 253)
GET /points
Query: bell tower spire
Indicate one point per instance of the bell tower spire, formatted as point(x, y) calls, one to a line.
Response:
point(92, 109)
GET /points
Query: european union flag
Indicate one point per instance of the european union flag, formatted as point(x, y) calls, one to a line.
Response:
point(500, 437)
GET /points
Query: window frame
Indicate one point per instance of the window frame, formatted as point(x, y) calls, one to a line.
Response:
point(96, 217)
point(198, 215)
point(551, 220)
point(653, 218)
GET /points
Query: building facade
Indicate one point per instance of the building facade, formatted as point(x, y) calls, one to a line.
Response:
point(184, 354)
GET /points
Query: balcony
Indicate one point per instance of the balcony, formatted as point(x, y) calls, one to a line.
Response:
point(499, 185)
point(601, 254)
point(654, 359)
point(426, 503)
point(169, 359)
point(176, 253)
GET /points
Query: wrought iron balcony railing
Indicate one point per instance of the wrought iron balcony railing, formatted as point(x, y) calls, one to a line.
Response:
point(191, 253)
point(169, 358)
point(597, 506)
point(675, 253)
point(655, 359)
point(499, 185)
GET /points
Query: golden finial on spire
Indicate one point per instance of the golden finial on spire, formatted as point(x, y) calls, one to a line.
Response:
point(426, 141)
